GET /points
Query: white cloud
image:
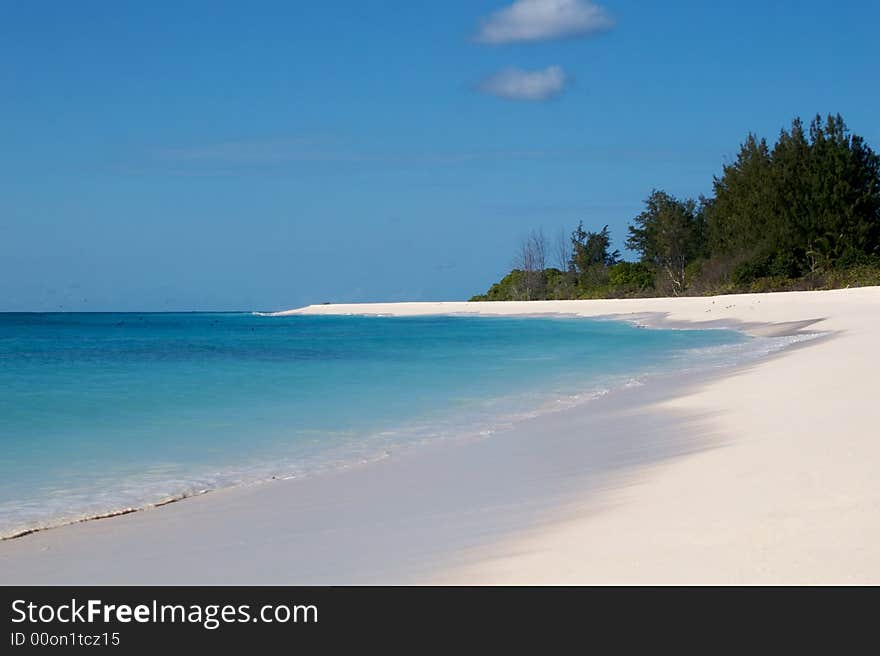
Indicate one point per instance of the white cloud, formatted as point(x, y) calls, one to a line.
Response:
point(517, 84)
point(543, 20)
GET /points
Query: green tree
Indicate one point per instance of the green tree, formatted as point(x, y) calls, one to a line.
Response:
point(591, 256)
point(841, 219)
point(668, 235)
point(744, 201)
point(810, 204)
point(790, 172)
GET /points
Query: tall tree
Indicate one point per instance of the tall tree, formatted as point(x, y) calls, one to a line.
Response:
point(592, 248)
point(668, 235)
point(843, 189)
point(744, 201)
point(592, 255)
point(811, 203)
point(790, 171)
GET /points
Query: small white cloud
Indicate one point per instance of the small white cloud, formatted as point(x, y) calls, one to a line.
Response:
point(543, 20)
point(517, 84)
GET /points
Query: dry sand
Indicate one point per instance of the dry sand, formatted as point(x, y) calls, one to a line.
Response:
point(764, 474)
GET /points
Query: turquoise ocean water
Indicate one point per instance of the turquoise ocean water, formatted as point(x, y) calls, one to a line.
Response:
point(100, 412)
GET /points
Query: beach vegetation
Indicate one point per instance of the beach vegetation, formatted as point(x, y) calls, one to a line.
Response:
point(802, 213)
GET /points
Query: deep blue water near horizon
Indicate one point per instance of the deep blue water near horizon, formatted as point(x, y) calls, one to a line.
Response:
point(101, 412)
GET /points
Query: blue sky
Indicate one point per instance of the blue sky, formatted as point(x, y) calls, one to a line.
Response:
point(196, 156)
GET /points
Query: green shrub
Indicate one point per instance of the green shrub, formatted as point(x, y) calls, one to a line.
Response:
point(630, 277)
point(750, 270)
point(863, 275)
point(784, 265)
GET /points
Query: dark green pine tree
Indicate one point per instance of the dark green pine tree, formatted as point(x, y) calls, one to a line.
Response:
point(788, 229)
point(842, 217)
point(744, 203)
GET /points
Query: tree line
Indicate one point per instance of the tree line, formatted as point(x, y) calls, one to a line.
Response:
point(803, 213)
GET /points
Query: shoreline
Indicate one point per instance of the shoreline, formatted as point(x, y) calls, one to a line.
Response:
point(501, 492)
point(110, 514)
point(648, 320)
point(504, 546)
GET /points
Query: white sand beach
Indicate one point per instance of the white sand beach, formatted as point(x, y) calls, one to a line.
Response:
point(765, 473)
